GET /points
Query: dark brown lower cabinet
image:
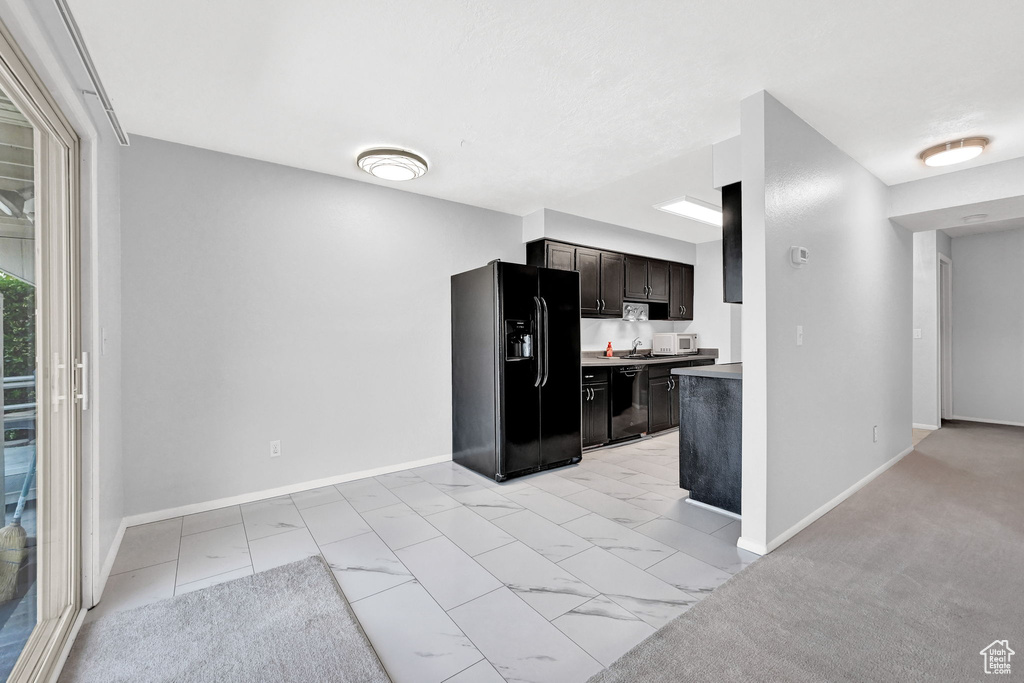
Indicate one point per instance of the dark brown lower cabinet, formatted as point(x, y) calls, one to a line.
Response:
point(660, 407)
point(674, 401)
point(596, 425)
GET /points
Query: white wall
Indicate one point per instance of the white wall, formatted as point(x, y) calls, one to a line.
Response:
point(956, 188)
point(809, 415)
point(927, 411)
point(716, 322)
point(42, 37)
point(595, 334)
point(988, 326)
point(566, 227)
point(264, 302)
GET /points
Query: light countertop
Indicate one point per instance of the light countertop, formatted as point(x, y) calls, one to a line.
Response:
point(599, 361)
point(725, 371)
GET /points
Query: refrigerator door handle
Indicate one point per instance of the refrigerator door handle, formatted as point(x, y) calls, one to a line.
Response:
point(544, 342)
point(539, 347)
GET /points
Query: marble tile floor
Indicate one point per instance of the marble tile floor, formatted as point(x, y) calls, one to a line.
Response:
point(456, 578)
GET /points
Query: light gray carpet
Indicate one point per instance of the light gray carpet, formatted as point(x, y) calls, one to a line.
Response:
point(287, 624)
point(906, 580)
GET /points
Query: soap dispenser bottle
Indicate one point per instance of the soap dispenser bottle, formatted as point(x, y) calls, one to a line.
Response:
point(608, 351)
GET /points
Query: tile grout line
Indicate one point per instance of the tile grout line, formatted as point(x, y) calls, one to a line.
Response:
point(482, 659)
point(212, 576)
point(607, 595)
point(177, 562)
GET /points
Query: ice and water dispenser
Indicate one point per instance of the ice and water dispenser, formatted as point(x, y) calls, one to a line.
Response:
point(518, 339)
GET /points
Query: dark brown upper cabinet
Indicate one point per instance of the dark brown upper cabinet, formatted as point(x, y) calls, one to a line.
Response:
point(600, 274)
point(680, 293)
point(732, 243)
point(600, 283)
point(646, 279)
point(658, 280)
point(560, 256)
point(636, 278)
point(611, 284)
point(608, 278)
point(588, 265)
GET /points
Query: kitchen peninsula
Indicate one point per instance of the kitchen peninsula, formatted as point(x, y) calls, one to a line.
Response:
point(710, 431)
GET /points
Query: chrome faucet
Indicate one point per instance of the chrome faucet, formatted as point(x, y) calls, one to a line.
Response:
point(636, 344)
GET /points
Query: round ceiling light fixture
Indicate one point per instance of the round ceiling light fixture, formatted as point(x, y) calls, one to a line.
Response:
point(975, 218)
point(955, 152)
point(388, 163)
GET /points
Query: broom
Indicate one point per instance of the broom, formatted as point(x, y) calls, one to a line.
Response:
point(12, 543)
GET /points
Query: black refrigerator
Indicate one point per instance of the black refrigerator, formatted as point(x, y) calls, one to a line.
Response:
point(516, 387)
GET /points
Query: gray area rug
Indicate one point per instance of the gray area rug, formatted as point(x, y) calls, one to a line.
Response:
point(909, 579)
point(291, 623)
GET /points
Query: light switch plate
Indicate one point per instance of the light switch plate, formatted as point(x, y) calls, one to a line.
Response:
point(917, 333)
point(799, 335)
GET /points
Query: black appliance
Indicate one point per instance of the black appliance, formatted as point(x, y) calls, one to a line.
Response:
point(629, 401)
point(516, 391)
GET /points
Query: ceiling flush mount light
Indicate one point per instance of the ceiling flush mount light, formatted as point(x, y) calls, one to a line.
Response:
point(392, 164)
point(694, 209)
point(975, 218)
point(955, 152)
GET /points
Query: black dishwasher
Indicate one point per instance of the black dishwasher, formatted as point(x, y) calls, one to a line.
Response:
point(629, 401)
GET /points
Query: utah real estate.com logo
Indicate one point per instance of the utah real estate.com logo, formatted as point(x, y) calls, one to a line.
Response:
point(997, 657)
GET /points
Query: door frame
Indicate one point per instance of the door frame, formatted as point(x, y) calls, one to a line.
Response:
point(945, 384)
point(58, 331)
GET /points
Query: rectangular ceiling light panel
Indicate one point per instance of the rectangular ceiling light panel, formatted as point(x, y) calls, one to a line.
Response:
point(694, 209)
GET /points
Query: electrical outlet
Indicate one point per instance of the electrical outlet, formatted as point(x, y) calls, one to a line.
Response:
point(799, 335)
point(275, 449)
point(874, 434)
point(917, 333)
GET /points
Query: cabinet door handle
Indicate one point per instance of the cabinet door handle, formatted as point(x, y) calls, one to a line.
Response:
point(598, 304)
point(602, 304)
point(593, 393)
point(684, 309)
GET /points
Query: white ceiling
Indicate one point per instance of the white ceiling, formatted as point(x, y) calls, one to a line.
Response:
point(542, 103)
point(630, 201)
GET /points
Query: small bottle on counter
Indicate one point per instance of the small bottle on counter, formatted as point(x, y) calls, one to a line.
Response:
point(608, 351)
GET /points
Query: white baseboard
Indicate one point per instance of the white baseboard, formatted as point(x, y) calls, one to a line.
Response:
point(751, 546)
point(171, 513)
point(991, 422)
point(930, 428)
point(817, 514)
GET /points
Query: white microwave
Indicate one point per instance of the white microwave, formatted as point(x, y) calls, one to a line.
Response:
point(674, 344)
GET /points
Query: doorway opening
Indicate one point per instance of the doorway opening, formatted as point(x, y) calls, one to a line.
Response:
point(945, 337)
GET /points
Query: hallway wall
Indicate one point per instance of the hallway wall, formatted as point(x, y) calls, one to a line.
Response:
point(988, 327)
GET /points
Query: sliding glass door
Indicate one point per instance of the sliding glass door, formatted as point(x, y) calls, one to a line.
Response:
point(42, 370)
